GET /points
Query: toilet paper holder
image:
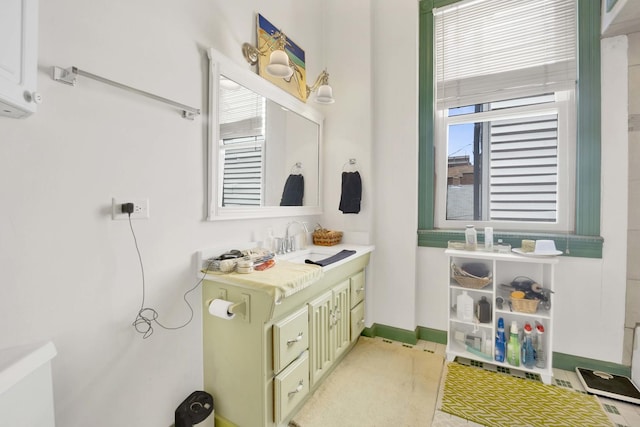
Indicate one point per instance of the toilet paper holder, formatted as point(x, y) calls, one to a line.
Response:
point(241, 309)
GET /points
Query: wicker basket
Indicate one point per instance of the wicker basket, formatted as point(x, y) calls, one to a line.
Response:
point(324, 237)
point(523, 305)
point(467, 280)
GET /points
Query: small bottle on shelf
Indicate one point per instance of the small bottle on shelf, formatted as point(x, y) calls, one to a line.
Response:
point(488, 239)
point(464, 308)
point(483, 311)
point(470, 238)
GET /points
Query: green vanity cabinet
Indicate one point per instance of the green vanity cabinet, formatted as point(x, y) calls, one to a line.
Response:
point(262, 365)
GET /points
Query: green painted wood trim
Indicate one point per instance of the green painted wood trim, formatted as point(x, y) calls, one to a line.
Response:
point(432, 335)
point(396, 334)
point(588, 147)
point(221, 422)
point(570, 245)
point(569, 362)
point(586, 241)
point(426, 93)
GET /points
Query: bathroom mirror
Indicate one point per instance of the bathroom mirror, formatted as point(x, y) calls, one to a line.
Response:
point(261, 141)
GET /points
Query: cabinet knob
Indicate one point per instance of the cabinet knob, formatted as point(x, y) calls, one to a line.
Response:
point(34, 97)
point(295, 340)
point(298, 389)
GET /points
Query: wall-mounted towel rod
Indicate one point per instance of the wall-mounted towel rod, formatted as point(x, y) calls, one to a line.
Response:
point(70, 77)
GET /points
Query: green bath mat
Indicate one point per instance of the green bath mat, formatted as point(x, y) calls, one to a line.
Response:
point(495, 399)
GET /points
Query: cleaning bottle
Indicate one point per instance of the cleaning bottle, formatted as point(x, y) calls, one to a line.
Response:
point(541, 357)
point(470, 238)
point(528, 358)
point(483, 310)
point(464, 308)
point(501, 341)
point(513, 349)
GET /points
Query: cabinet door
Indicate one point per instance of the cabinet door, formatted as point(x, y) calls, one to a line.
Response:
point(18, 56)
point(341, 310)
point(320, 317)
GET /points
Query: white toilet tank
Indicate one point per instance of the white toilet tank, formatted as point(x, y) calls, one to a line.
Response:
point(26, 387)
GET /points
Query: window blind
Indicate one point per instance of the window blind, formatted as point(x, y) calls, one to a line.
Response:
point(488, 48)
point(242, 143)
point(246, 117)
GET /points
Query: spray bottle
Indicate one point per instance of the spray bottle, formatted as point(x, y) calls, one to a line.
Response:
point(528, 358)
point(501, 341)
point(513, 349)
point(541, 357)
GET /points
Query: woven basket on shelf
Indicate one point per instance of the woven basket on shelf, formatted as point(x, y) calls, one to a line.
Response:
point(523, 305)
point(324, 237)
point(467, 280)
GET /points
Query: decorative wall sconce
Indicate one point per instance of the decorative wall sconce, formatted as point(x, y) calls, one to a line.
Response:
point(281, 66)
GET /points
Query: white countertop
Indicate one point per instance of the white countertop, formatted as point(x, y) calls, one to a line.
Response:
point(316, 253)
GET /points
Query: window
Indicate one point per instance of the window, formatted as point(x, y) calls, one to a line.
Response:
point(584, 240)
point(505, 76)
point(242, 144)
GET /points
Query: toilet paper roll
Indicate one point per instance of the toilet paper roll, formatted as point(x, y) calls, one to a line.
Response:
point(220, 308)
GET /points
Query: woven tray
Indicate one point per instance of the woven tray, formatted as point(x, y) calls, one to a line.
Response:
point(324, 237)
point(467, 280)
point(523, 305)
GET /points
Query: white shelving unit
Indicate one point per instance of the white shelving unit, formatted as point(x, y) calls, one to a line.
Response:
point(475, 340)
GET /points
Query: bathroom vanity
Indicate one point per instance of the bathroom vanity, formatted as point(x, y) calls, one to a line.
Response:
point(262, 365)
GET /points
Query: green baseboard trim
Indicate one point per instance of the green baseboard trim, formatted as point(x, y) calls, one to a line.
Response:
point(562, 361)
point(433, 335)
point(391, 333)
point(569, 362)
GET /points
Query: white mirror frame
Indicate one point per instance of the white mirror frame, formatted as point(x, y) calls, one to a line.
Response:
point(220, 64)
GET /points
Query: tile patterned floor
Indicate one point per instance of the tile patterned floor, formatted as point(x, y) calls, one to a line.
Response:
point(622, 414)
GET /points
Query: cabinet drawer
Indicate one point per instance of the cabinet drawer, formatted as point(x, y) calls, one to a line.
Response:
point(290, 387)
point(357, 288)
point(357, 320)
point(290, 338)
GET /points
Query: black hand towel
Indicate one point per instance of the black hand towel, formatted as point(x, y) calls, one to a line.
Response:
point(293, 191)
point(333, 258)
point(351, 192)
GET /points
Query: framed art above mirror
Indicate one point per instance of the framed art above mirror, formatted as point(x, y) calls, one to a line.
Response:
point(264, 148)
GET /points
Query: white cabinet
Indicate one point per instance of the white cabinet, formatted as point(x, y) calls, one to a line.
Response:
point(475, 340)
point(18, 57)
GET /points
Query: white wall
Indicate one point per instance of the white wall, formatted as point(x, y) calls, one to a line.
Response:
point(70, 273)
point(590, 297)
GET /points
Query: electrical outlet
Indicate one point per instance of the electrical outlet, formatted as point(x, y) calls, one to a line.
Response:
point(140, 208)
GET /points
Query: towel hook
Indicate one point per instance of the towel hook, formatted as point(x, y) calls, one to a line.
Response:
point(297, 167)
point(350, 165)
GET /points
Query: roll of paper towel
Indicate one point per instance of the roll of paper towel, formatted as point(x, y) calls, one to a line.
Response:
point(220, 308)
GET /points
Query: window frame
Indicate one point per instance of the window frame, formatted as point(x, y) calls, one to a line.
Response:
point(585, 240)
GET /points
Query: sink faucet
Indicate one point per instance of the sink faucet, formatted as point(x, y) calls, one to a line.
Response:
point(290, 240)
